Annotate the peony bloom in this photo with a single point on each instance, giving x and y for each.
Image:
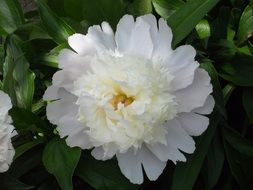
(129, 94)
(6, 132)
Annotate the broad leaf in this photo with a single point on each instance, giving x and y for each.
(8, 182)
(57, 28)
(18, 78)
(187, 17)
(166, 8)
(238, 70)
(11, 16)
(26, 120)
(102, 175)
(97, 11)
(61, 161)
(239, 153)
(245, 29)
(247, 100)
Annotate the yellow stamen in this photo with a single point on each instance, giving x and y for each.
(121, 98)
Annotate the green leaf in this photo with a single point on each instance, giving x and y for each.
(25, 147)
(247, 100)
(11, 16)
(203, 29)
(26, 120)
(239, 153)
(141, 7)
(57, 28)
(61, 161)
(187, 17)
(26, 162)
(7, 182)
(102, 175)
(18, 78)
(166, 8)
(245, 29)
(214, 162)
(51, 59)
(97, 11)
(238, 70)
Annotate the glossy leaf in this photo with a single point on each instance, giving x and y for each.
(57, 28)
(238, 70)
(245, 29)
(239, 153)
(11, 16)
(247, 100)
(102, 175)
(26, 120)
(61, 161)
(166, 8)
(187, 16)
(18, 78)
(7, 182)
(97, 11)
(214, 162)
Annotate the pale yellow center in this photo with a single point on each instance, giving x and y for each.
(121, 98)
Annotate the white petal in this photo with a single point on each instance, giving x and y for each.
(51, 93)
(99, 154)
(81, 44)
(152, 22)
(194, 124)
(166, 152)
(151, 164)
(60, 109)
(71, 60)
(162, 41)
(130, 166)
(139, 40)
(124, 30)
(182, 66)
(207, 108)
(178, 137)
(102, 39)
(5, 103)
(194, 95)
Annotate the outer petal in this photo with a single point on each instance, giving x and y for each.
(166, 152)
(5, 103)
(71, 60)
(102, 38)
(136, 39)
(82, 44)
(152, 165)
(178, 138)
(130, 166)
(60, 109)
(100, 154)
(75, 132)
(194, 95)
(207, 108)
(182, 66)
(193, 123)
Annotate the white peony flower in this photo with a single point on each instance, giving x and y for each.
(129, 94)
(6, 132)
